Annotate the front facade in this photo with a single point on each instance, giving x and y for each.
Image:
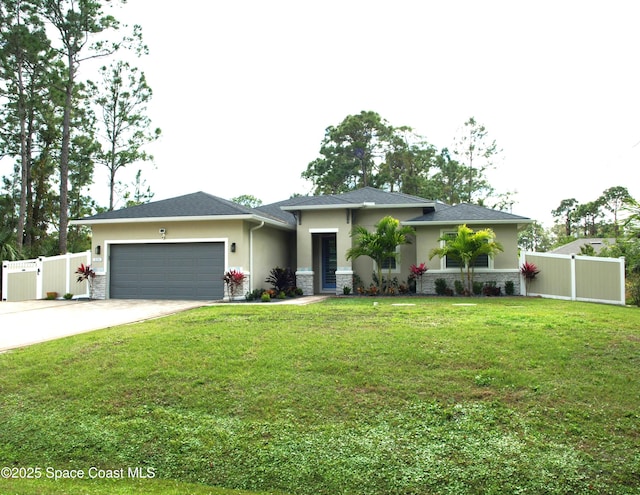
(180, 248)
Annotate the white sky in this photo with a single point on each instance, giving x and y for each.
(243, 90)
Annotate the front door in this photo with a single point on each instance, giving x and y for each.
(329, 262)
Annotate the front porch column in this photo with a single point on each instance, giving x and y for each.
(344, 278)
(304, 280)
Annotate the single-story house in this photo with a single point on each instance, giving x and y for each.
(179, 248)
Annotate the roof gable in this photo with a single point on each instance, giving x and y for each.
(197, 204)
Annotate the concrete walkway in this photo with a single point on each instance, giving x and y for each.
(30, 322)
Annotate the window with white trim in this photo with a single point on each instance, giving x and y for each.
(482, 261)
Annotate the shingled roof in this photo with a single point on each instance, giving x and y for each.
(366, 196)
(189, 206)
(202, 205)
(465, 213)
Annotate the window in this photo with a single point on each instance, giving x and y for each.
(391, 263)
(482, 261)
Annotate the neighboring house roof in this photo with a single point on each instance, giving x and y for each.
(193, 206)
(366, 197)
(444, 214)
(598, 244)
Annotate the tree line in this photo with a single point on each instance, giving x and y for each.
(614, 214)
(366, 150)
(56, 126)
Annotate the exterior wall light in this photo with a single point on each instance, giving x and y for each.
(233, 247)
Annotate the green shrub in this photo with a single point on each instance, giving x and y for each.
(459, 287)
(254, 295)
(633, 288)
(509, 288)
(265, 297)
(477, 288)
(346, 290)
(68, 296)
(441, 286)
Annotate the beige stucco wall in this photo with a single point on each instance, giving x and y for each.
(507, 235)
(272, 246)
(228, 231)
(330, 221)
(341, 222)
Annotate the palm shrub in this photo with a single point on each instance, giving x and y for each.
(528, 271)
(233, 279)
(381, 244)
(465, 248)
(281, 279)
(85, 272)
(417, 272)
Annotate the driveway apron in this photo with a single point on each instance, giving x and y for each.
(31, 322)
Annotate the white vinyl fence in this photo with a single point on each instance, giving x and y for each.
(33, 279)
(570, 277)
(577, 278)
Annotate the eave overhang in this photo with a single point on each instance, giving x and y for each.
(356, 206)
(203, 218)
(417, 223)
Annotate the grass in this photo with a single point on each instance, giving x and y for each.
(512, 395)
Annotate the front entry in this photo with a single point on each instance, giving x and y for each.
(329, 262)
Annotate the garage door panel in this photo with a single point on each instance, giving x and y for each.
(167, 271)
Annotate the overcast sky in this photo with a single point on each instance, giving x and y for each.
(243, 90)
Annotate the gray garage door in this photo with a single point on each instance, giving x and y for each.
(167, 271)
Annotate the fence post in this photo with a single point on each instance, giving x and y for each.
(67, 269)
(39, 278)
(523, 287)
(574, 287)
(5, 280)
(623, 287)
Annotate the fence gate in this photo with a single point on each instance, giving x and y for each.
(31, 279)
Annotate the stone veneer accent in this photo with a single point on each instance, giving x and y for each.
(100, 286)
(304, 281)
(344, 278)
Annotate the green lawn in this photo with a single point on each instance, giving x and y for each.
(508, 395)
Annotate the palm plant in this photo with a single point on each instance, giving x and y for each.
(465, 248)
(381, 244)
(529, 272)
(8, 251)
(233, 279)
(85, 272)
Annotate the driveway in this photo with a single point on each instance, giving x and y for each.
(29, 322)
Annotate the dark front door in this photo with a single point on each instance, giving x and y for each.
(329, 262)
